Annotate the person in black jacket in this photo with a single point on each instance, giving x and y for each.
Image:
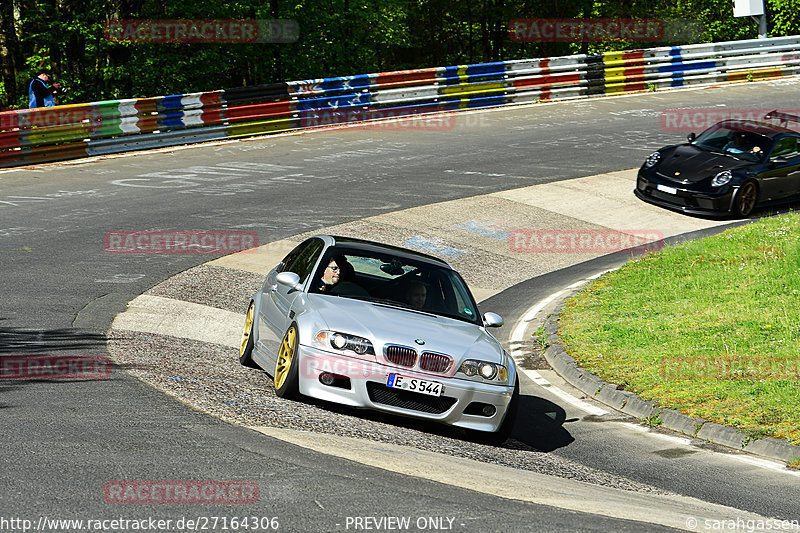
(39, 93)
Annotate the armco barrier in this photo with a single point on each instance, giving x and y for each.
(65, 132)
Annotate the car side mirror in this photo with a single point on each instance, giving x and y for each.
(289, 279)
(691, 137)
(492, 320)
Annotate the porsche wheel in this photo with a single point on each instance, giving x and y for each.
(246, 348)
(746, 199)
(286, 383)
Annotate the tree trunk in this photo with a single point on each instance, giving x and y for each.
(498, 26)
(277, 67)
(9, 55)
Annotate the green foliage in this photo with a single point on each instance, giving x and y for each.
(337, 37)
(784, 16)
(540, 337)
(654, 420)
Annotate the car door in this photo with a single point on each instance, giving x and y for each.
(784, 168)
(277, 300)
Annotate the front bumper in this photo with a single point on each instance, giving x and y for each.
(685, 199)
(365, 387)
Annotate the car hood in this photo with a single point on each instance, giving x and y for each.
(384, 324)
(688, 164)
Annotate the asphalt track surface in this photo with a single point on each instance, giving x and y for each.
(63, 441)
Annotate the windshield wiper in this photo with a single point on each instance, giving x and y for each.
(394, 304)
(711, 150)
(730, 154)
(382, 301)
(362, 298)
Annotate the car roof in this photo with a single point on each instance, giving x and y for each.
(377, 247)
(753, 126)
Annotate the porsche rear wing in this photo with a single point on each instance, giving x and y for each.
(785, 118)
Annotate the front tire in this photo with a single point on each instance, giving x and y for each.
(745, 200)
(286, 381)
(246, 348)
(506, 427)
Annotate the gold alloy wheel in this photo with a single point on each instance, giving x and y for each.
(248, 328)
(747, 199)
(285, 357)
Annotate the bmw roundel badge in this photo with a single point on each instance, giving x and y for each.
(419, 341)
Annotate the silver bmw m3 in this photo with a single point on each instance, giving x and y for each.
(380, 327)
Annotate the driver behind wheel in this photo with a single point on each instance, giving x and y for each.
(740, 145)
(331, 275)
(339, 278)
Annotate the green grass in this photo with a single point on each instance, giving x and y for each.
(710, 327)
(540, 337)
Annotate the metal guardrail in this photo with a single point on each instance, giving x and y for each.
(65, 132)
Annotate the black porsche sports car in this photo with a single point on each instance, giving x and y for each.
(731, 168)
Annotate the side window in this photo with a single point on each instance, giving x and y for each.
(302, 259)
(786, 147)
(292, 257)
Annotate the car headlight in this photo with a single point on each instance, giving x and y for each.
(652, 159)
(484, 369)
(344, 342)
(722, 178)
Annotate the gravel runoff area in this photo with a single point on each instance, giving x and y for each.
(223, 288)
(208, 377)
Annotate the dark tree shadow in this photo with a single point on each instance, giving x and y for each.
(19, 341)
(18, 346)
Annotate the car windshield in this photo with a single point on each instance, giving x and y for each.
(735, 142)
(385, 278)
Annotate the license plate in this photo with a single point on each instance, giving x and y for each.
(423, 386)
(664, 188)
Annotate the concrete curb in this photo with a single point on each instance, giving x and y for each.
(630, 404)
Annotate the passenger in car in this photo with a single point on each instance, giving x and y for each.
(415, 293)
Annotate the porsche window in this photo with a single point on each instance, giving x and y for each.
(786, 147)
(738, 143)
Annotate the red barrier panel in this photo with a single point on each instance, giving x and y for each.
(405, 77)
(257, 111)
